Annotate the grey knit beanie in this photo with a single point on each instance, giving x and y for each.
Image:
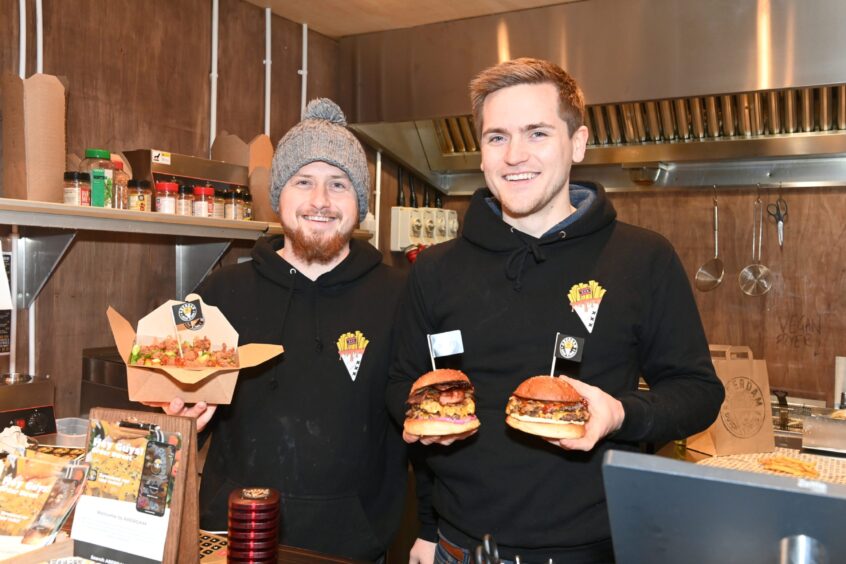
(322, 135)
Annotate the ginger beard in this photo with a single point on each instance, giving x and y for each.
(316, 248)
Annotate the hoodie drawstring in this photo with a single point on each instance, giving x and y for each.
(516, 262)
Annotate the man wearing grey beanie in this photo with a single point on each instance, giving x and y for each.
(311, 423)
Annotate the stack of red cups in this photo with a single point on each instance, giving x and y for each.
(253, 525)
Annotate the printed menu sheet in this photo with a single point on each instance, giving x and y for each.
(123, 513)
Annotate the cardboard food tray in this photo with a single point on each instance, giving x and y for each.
(162, 384)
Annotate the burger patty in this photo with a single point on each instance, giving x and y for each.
(554, 410)
(431, 408)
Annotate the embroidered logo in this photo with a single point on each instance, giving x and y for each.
(351, 350)
(584, 300)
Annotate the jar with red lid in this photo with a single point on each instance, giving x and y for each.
(166, 197)
(203, 201)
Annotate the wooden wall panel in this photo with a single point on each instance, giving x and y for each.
(240, 93)
(137, 72)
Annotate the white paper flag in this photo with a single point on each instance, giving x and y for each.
(446, 344)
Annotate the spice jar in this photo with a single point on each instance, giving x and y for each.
(203, 201)
(185, 201)
(248, 206)
(97, 163)
(166, 197)
(121, 185)
(234, 205)
(139, 196)
(77, 188)
(219, 203)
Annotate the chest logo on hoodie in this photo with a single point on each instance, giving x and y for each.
(584, 300)
(351, 350)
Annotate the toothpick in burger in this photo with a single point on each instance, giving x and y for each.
(549, 407)
(441, 403)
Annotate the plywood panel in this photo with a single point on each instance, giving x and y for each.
(241, 82)
(799, 325)
(138, 72)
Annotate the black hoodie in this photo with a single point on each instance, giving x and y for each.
(508, 293)
(301, 423)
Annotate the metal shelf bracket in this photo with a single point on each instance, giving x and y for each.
(38, 252)
(194, 260)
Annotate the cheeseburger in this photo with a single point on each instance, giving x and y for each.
(441, 403)
(549, 407)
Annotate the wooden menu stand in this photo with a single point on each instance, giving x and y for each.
(183, 528)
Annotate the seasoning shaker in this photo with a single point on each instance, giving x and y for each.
(77, 188)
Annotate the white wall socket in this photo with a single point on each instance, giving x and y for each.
(421, 226)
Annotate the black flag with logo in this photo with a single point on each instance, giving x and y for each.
(569, 348)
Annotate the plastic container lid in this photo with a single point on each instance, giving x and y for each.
(203, 191)
(247, 197)
(186, 189)
(118, 165)
(219, 193)
(97, 154)
(76, 175)
(167, 186)
(143, 184)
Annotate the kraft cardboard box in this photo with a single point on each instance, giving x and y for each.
(257, 156)
(34, 138)
(162, 384)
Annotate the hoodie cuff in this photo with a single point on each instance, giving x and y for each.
(637, 420)
(428, 532)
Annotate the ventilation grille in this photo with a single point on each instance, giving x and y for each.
(698, 118)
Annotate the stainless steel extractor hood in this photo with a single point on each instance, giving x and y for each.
(732, 92)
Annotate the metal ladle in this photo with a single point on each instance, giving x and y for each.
(710, 275)
(756, 279)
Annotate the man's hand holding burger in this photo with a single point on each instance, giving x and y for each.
(606, 416)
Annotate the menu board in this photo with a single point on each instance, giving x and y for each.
(123, 513)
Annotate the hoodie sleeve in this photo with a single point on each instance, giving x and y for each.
(684, 394)
(411, 359)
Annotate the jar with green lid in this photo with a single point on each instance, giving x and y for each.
(234, 205)
(139, 195)
(219, 203)
(98, 164)
(77, 188)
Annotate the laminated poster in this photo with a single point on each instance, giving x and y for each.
(123, 513)
(37, 493)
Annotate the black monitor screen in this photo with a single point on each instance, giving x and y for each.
(665, 511)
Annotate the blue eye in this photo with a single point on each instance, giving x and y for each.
(539, 134)
(494, 139)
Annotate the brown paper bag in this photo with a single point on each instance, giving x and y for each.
(745, 422)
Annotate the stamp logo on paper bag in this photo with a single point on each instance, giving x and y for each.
(351, 350)
(744, 411)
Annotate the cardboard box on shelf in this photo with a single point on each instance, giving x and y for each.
(34, 138)
(161, 384)
(257, 156)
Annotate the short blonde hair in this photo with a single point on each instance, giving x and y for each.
(571, 101)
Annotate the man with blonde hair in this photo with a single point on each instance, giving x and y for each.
(541, 256)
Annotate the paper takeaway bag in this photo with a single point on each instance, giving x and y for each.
(745, 423)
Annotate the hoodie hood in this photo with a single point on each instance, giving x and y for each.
(362, 259)
(485, 228)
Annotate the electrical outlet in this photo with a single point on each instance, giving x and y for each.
(421, 226)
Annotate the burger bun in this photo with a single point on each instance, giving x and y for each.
(557, 430)
(428, 427)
